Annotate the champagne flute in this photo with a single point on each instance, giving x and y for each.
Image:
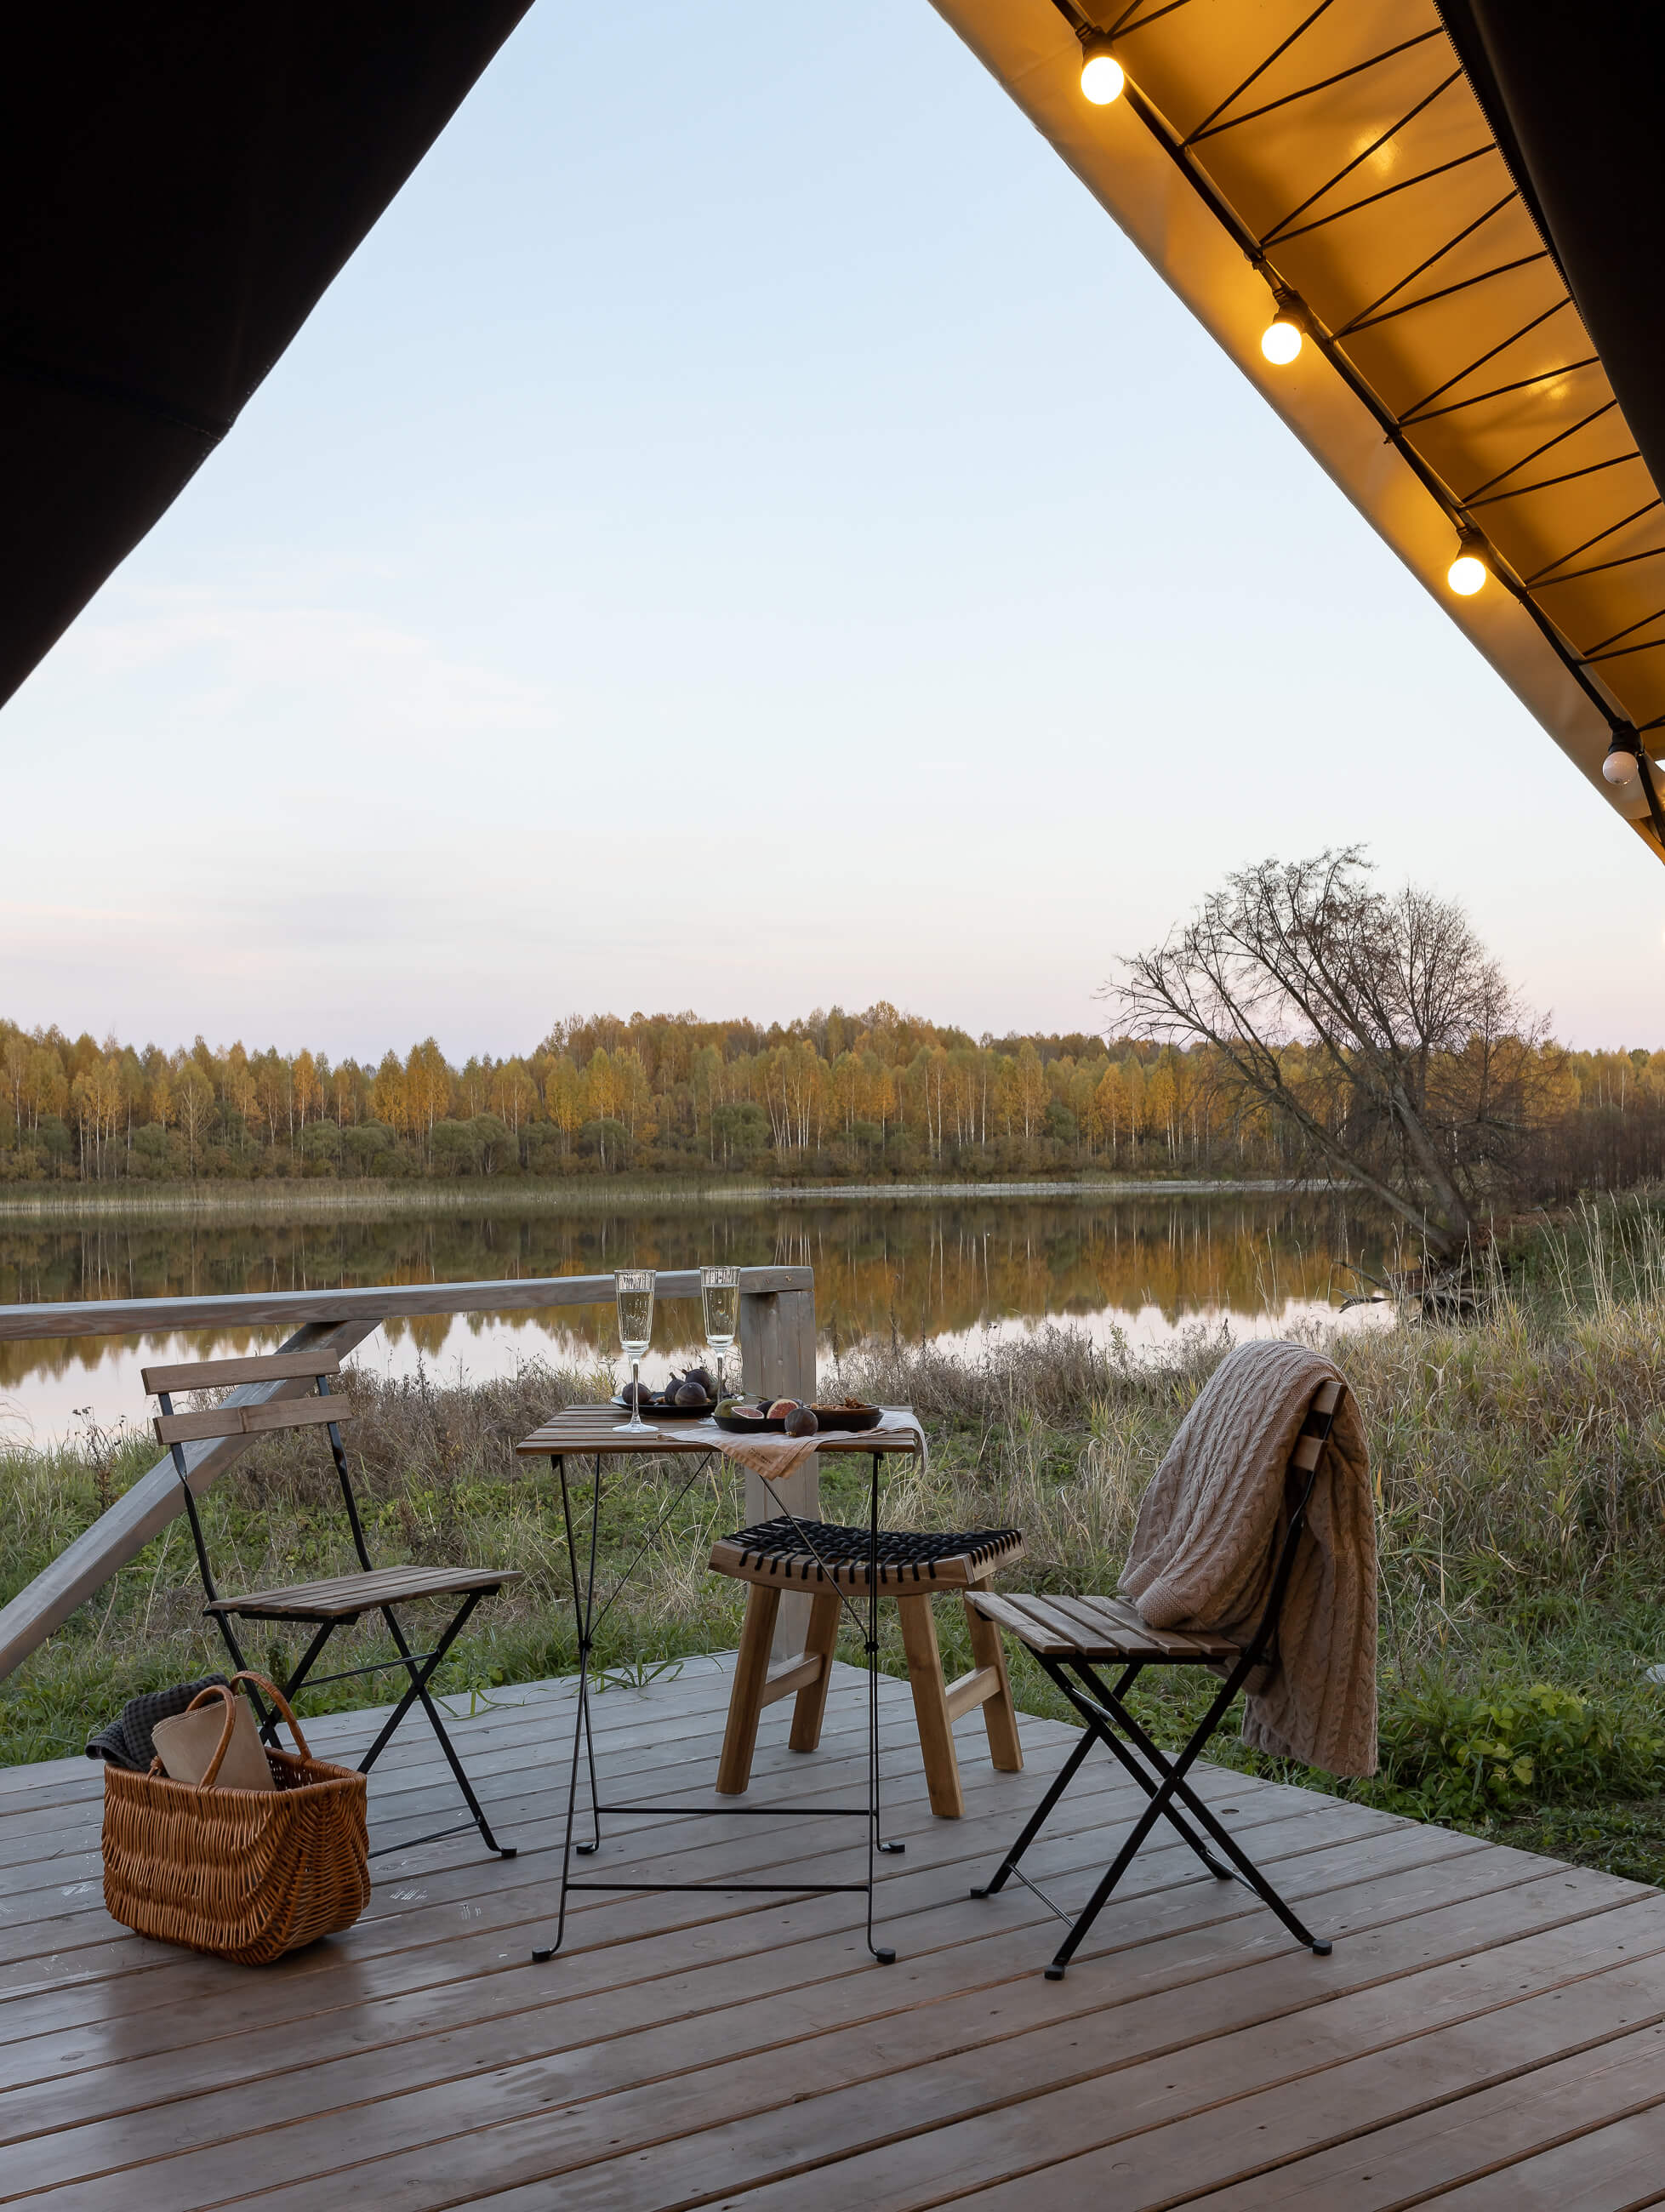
(719, 1296)
(633, 1289)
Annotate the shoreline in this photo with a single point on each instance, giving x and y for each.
(245, 1201)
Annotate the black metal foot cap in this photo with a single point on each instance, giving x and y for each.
(508, 1852)
(584, 1850)
(980, 1892)
(896, 1850)
(884, 1958)
(539, 1957)
(1054, 1973)
(1322, 1950)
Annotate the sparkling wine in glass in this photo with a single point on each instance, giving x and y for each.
(633, 1287)
(720, 1294)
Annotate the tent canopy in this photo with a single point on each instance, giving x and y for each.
(1451, 385)
(181, 186)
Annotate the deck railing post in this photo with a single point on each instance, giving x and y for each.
(777, 1360)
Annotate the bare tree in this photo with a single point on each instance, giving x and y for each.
(1376, 1029)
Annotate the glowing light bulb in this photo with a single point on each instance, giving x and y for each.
(1102, 76)
(1466, 575)
(1280, 341)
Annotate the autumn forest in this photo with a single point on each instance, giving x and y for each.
(878, 1096)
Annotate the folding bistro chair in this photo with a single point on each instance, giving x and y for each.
(1072, 1638)
(338, 1602)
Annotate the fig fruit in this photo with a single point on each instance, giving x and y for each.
(704, 1377)
(782, 1408)
(801, 1422)
(690, 1392)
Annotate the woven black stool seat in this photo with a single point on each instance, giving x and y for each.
(778, 1551)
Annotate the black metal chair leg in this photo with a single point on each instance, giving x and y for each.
(297, 1681)
(503, 1850)
(1038, 1820)
(1104, 1719)
(1242, 1868)
(419, 1693)
(266, 1722)
(1101, 1897)
(1159, 1807)
(1174, 1784)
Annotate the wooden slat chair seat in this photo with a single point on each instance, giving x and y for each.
(833, 1562)
(1102, 1628)
(343, 1598)
(336, 1601)
(1072, 1638)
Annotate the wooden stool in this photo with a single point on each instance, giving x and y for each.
(913, 1568)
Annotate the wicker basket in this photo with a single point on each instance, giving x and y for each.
(246, 1873)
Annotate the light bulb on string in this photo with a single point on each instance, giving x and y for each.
(1280, 341)
(1102, 76)
(1468, 572)
(1621, 765)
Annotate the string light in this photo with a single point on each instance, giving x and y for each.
(1102, 76)
(1468, 571)
(1280, 341)
(1621, 765)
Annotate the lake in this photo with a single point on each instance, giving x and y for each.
(958, 1269)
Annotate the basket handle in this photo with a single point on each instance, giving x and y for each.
(228, 1694)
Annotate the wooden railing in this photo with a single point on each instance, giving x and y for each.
(777, 1350)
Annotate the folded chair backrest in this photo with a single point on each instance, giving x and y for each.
(322, 1411)
(1302, 1474)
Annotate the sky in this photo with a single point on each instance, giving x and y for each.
(746, 533)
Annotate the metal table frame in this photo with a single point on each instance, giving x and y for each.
(548, 1441)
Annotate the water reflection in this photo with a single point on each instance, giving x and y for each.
(911, 1267)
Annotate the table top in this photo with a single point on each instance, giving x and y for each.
(578, 1429)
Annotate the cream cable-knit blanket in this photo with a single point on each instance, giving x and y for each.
(1205, 1549)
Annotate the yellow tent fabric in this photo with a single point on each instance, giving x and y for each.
(1448, 384)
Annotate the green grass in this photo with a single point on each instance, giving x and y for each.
(1519, 1462)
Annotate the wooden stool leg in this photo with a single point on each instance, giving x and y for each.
(936, 1731)
(999, 1714)
(810, 1707)
(745, 1701)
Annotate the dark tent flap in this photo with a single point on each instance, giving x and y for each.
(184, 185)
(1572, 97)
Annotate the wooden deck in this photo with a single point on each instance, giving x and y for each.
(1490, 2031)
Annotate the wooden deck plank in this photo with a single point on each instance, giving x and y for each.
(183, 1978)
(414, 1789)
(1177, 2058)
(1487, 2020)
(987, 1950)
(40, 1919)
(1520, 2053)
(416, 1801)
(522, 1896)
(426, 1911)
(1617, 2167)
(668, 2086)
(1198, 1896)
(519, 1716)
(916, 1915)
